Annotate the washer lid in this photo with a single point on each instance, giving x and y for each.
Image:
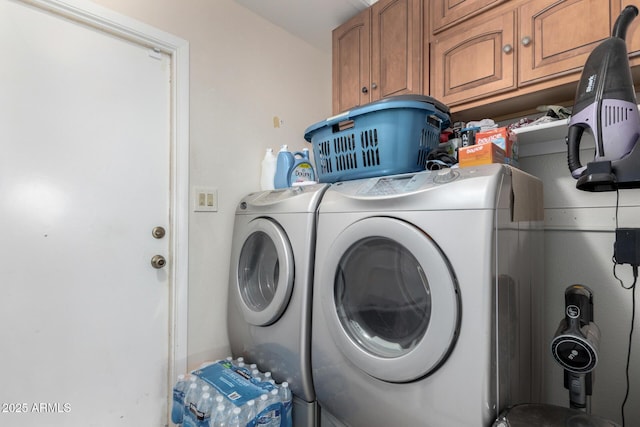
(265, 272)
(393, 306)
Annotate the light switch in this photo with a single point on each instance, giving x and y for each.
(205, 199)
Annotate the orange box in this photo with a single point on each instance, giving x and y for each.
(480, 154)
(503, 138)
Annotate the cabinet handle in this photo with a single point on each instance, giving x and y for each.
(526, 41)
(374, 86)
(507, 48)
(364, 89)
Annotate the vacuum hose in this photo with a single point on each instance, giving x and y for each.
(622, 23)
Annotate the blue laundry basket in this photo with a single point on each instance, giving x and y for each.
(386, 137)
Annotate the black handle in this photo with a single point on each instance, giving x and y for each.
(622, 23)
(573, 147)
(578, 302)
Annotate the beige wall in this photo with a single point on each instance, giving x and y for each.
(244, 71)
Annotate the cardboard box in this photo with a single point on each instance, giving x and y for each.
(480, 154)
(503, 138)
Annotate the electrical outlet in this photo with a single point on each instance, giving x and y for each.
(205, 199)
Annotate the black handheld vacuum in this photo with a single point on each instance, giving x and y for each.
(605, 106)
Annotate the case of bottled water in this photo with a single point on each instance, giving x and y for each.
(230, 393)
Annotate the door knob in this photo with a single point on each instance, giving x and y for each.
(158, 261)
(158, 232)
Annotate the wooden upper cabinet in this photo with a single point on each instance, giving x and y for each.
(474, 60)
(351, 62)
(447, 12)
(396, 48)
(378, 53)
(522, 47)
(557, 37)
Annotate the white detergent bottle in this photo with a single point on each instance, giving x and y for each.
(302, 170)
(283, 166)
(268, 172)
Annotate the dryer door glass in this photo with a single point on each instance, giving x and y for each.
(259, 270)
(386, 306)
(264, 272)
(394, 307)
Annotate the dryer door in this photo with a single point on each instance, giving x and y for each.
(394, 308)
(264, 272)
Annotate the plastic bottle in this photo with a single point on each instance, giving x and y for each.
(268, 172)
(204, 406)
(283, 166)
(235, 419)
(263, 402)
(177, 409)
(301, 171)
(287, 403)
(191, 397)
(274, 398)
(219, 416)
(248, 412)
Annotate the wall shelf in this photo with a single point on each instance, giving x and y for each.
(547, 138)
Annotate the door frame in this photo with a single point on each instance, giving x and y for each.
(152, 38)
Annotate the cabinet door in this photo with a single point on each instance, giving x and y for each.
(351, 62)
(447, 12)
(556, 37)
(473, 60)
(396, 34)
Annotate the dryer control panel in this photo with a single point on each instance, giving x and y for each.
(408, 183)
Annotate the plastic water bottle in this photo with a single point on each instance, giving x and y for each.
(219, 416)
(248, 412)
(287, 402)
(268, 172)
(277, 415)
(284, 162)
(177, 409)
(263, 402)
(192, 394)
(235, 419)
(204, 406)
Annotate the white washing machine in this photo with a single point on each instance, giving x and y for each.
(427, 289)
(271, 271)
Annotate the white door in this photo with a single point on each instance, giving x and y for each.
(84, 178)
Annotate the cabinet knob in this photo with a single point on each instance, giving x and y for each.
(526, 41)
(374, 86)
(364, 89)
(507, 48)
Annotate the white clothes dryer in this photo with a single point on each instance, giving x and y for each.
(271, 271)
(423, 291)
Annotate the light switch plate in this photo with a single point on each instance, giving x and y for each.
(205, 199)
